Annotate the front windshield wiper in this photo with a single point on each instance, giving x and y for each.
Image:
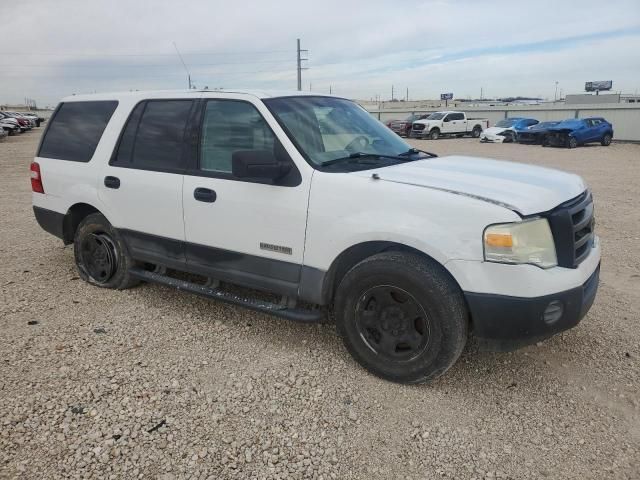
(413, 151)
(401, 157)
(357, 155)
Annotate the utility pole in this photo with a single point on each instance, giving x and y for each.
(480, 93)
(407, 97)
(330, 92)
(300, 68)
(392, 93)
(555, 96)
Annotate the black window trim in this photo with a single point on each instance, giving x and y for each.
(292, 179)
(52, 118)
(187, 128)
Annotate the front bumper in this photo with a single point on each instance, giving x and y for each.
(505, 323)
(486, 138)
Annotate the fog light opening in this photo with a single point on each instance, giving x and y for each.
(553, 312)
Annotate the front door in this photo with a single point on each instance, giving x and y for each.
(237, 230)
(454, 123)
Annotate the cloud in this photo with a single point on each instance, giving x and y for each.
(359, 48)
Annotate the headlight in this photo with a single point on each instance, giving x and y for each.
(529, 241)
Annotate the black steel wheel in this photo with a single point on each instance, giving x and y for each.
(401, 316)
(392, 323)
(100, 254)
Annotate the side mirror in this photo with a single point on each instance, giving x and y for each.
(258, 165)
(446, 119)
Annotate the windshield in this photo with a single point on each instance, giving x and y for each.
(571, 123)
(509, 122)
(328, 128)
(436, 116)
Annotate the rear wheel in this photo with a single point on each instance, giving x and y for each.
(402, 317)
(475, 133)
(100, 254)
(606, 140)
(571, 142)
(434, 134)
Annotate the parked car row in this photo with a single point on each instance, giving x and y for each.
(12, 123)
(566, 133)
(439, 124)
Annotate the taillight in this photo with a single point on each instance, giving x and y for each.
(36, 178)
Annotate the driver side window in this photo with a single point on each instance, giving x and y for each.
(230, 126)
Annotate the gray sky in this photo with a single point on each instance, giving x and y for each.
(360, 48)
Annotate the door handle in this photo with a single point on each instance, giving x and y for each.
(204, 195)
(112, 182)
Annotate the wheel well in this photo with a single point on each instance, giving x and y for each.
(72, 219)
(355, 254)
(435, 128)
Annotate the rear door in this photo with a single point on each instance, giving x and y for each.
(599, 128)
(238, 230)
(142, 183)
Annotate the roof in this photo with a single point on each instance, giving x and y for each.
(146, 94)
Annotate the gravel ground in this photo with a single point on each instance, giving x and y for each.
(153, 383)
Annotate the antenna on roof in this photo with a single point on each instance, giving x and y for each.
(183, 64)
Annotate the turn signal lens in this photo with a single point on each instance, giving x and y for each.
(499, 240)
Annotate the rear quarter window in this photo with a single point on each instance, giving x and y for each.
(75, 130)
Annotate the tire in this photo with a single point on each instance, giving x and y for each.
(434, 134)
(571, 142)
(101, 257)
(475, 133)
(606, 140)
(395, 296)
(509, 138)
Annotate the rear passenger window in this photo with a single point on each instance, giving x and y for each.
(153, 138)
(230, 126)
(75, 130)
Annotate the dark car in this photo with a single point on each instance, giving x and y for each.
(535, 134)
(579, 131)
(23, 122)
(403, 127)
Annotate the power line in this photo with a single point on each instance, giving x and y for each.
(41, 65)
(71, 54)
(63, 74)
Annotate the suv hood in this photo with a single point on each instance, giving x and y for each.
(525, 189)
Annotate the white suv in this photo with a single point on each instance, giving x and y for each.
(309, 198)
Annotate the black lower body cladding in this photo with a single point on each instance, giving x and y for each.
(506, 323)
(50, 221)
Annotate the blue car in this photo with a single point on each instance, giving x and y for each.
(536, 133)
(578, 131)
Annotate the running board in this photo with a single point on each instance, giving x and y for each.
(295, 314)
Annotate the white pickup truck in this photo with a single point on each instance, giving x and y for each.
(448, 123)
(309, 198)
